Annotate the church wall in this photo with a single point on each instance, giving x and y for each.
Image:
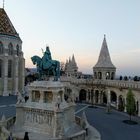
(11, 83)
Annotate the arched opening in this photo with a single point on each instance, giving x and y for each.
(95, 75)
(99, 75)
(104, 98)
(108, 75)
(9, 68)
(82, 95)
(113, 98)
(137, 107)
(17, 50)
(96, 96)
(121, 103)
(1, 48)
(112, 75)
(10, 49)
(89, 95)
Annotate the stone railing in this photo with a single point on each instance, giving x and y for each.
(112, 83)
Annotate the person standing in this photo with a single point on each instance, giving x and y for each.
(10, 137)
(26, 136)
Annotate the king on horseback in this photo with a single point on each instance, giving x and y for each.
(46, 65)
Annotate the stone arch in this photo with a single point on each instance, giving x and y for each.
(10, 49)
(137, 107)
(1, 48)
(107, 75)
(104, 98)
(121, 104)
(67, 94)
(82, 95)
(10, 64)
(96, 96)
(113, 98)
(95, 75)
(112, 75)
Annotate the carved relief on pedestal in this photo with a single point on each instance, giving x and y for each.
(38, 117)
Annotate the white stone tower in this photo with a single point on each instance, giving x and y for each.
(104, 68)
(12, 63)
(71, 68)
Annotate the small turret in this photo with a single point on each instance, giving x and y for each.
(104, 68)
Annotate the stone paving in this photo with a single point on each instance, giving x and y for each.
(110, 125)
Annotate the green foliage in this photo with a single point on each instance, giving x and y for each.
(130, 103)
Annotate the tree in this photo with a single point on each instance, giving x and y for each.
(130, 103)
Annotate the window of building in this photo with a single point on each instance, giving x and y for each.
(10, 49)
(17, 50)
(1, 48)
(0, 68)
(9, 68)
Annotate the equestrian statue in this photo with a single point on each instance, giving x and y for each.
(46, 66)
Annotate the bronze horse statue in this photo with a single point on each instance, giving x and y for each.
(46, 66)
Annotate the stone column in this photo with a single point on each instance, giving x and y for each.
(41, 97)
(86, 96)
(125, 104)
(108, 101)
(99, 97)
(16, 75)
(5, 82)
(117, 103)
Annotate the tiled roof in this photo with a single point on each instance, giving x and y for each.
(6, 27)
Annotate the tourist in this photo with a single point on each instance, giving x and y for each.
(10, 137)
(26, 136)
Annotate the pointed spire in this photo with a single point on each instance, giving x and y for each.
(104, 59)
(73, 58)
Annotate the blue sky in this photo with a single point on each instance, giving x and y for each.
(77, 27)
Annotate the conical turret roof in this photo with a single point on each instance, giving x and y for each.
(6, 27)
(104, 59)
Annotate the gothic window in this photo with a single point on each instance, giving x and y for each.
(99, 75)
(1, 48)
(0, 68)
(9, 68)
(17, 50)
(108, 75)
(10, 49)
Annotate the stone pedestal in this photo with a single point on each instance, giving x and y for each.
(46, 113)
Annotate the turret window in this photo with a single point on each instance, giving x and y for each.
(1, 48)
(10, 49)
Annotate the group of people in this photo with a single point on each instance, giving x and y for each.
(25, 136)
